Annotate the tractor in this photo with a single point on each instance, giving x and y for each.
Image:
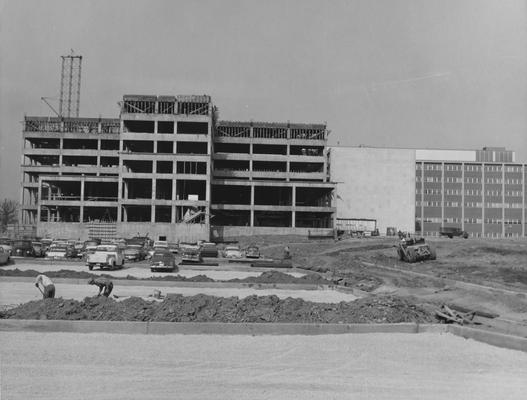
(412, 250)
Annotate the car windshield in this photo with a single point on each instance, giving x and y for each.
(58, 248)
(158, 256)
(106, 248)
(232, 249)
(35, 244)
(21, 243)
(133, 247)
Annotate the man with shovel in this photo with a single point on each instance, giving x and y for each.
(48, 291)
(105, 285)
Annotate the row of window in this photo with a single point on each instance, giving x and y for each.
(491, 221)
(468, 167)
(468, 204)
(470, 192)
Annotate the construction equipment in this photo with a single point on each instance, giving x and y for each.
(412, 250)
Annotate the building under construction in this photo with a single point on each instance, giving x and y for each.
(168, 169)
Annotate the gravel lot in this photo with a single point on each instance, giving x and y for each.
(374, 366)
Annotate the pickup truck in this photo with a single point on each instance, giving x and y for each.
(105, 256)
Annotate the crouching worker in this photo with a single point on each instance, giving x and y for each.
(105, 285)
(48, 288)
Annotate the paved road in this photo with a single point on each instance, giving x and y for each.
(51, 366)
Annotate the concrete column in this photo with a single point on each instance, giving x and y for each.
(61, 148)
(120, 194)
(293, 214)
(173, 216)
(39, 195)
(252, 205)
(81, 215)
(153, 205)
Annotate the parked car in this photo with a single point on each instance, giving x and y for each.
(4, 256)
(46, 242)
(61, 250)
(161, 243)
(106, 256)
(163, 260)
(134, 252)
(209, 249)
(5, 243)
(451, 232)
(173, 248)
(252, 251)
(38, 249)
(190, 253)
(232, 252)
(22, 248)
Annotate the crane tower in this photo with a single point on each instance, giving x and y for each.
(70, 85)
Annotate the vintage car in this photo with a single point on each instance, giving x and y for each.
(61, 250)
(252, 251)
(209, 249)
(5, 243)
(163, 260)
(106, 256)
(22, 248)
(134, 252)
(4, 256)
(232, 252)
(38, 249)
(190, 253)
(173, 248)
(89, 247)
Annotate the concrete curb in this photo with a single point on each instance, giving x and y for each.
(492, 338)
(209, 328)
(151, 283)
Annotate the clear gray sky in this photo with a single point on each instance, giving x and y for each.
(405, 73)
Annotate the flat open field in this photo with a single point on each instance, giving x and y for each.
(51, 366)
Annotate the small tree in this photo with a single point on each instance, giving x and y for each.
(8, 213)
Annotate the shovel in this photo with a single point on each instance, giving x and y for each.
(41, 291)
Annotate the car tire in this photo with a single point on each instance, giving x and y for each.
(90, 267)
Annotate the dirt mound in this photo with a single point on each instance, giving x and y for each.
(203, 308)
(280, 277)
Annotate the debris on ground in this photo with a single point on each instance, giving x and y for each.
(449, 316)
(204, 308)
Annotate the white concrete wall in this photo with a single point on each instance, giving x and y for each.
(375, 183)
(173, 232)
(445, 155)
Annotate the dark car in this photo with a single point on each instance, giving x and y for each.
(38, 249)
(134, 252)
(163, 260)
(451, 232)
(252, 251)
(23, 248)
(209, 249)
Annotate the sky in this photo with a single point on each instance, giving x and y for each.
(407, 73)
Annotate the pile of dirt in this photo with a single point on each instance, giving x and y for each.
(265, 277)
(280, 277)
(203, 308)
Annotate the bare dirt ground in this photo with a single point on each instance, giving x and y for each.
(426, 366)
(489, 276)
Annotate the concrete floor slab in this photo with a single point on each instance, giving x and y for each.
(22, 292)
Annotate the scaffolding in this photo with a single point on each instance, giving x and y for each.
(70, 86)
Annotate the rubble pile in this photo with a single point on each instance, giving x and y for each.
(204, 308)
(280, 277)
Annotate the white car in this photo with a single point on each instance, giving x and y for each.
(106, 256)
(232, 252)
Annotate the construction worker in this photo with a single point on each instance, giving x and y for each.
(48, 288)
(287, 253)
(105, 285)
